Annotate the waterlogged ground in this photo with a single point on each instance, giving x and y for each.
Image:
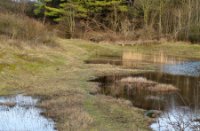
(181, 108)
(19, 113)
(60, 77)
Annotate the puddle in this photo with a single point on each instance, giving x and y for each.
(187, 94)
(159, 62)
(128, 57)
(155, 91)
(136, 89)
(190, 68)
(159, 58)
(19, 113)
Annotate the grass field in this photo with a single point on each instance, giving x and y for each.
(60, 77)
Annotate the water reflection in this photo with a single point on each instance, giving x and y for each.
(160, 61)
(191, 68)
(161, 58)
(20, 114)
(187, 96)
(181, 73)
(135, 59)
(182, 109)
(177, 119)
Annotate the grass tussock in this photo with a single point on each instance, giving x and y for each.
(135, 79)
(144, 84)
(21, 27)
(163, 88)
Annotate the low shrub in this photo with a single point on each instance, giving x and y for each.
(21, 27)
(194, 35)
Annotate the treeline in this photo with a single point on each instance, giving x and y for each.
(132, 19)
(116, 19)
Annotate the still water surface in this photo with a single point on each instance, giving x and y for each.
(19, 113)
(181, 108)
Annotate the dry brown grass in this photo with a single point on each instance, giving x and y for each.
(67, 107)
(163, 88)
(135, 79)
(21, 27)
(144, 84)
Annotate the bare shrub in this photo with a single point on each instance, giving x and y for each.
(24, 28)
(102, 36)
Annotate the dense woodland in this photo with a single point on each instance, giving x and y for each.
(117, 19)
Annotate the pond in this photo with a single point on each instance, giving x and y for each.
(173, 88)
(19, 113)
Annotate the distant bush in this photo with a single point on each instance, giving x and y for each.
(7, 5)
(10, 6)
(24, 28)
(194, 35)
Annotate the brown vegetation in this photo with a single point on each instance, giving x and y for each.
(126, 20)
(22, 28)
(162, 88)
(141, 83)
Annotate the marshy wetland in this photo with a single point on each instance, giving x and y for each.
(99, 65)
(59, 77)
(169, 92)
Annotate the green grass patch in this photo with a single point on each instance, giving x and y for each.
(7, 66)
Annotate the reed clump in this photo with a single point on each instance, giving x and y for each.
(141, 83)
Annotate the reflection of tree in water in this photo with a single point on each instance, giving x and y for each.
(178, 119)
(182, 108)
(196, 97)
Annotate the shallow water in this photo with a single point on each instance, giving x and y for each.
(177, 119)
(23, 115)
(182, 105)
(189, 68)
(181, 109)
(188, 94)
(160, 62)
